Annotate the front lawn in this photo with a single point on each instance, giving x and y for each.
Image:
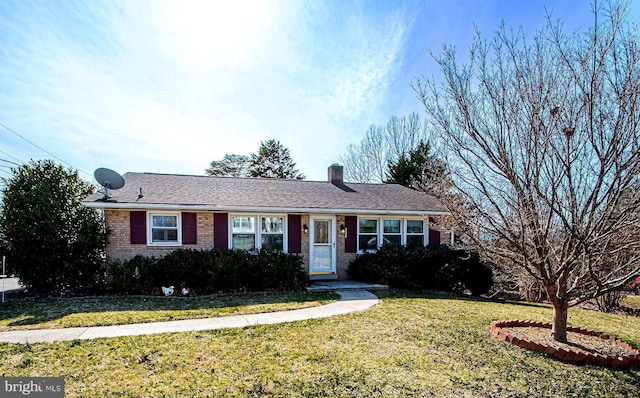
(407, 345)
(117, 310)
(632, 301)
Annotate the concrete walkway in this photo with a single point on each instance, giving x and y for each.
(350, 301)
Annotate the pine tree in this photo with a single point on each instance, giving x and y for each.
(417, 169)
(273, 161)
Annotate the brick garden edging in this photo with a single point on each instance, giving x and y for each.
(566, 355)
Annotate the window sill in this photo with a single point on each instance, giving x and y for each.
(164, 244)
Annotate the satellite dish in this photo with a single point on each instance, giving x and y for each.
(109, 179)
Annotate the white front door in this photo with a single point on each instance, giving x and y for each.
(323, 246)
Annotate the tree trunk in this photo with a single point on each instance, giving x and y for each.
(559, 328)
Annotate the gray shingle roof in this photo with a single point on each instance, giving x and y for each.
(251, 194)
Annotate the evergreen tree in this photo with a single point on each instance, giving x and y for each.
(53, 243)
(417, 169)
(273, 161)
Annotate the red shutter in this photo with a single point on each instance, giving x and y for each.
(434, 237)
(189, 229)
(221, 230)
(294, 238)
(351, 242)
(138, 227)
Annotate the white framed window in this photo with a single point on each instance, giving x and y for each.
(392, 232)
(164, 229)
(272, 233)
(415, 232)
(243, 232)
(367, 234)
(374, 231)
(254, 232)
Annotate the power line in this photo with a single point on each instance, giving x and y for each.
(12, 157)
(35, 145)
(44, 150)
(8, 161)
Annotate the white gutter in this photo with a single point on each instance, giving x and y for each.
(246, 209)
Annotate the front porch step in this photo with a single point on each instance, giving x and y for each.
(332, 286)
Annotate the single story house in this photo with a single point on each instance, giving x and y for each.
(328, 223)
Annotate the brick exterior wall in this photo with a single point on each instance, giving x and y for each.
(205, 231)
(120, 247)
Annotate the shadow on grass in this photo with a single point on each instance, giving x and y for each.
(34, 311)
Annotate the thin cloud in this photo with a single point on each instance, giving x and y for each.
(169, 86)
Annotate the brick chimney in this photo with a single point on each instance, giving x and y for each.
(336, 174)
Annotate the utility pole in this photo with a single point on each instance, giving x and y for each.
(3, 276)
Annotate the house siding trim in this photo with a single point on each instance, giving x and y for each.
(259, 210)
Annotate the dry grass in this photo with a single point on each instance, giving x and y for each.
(632, 301)
(405, 346)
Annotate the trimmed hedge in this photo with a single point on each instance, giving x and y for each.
(208, 271)
(431, 267)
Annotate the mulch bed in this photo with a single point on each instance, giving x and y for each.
(583, 346)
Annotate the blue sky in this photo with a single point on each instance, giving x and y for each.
(169, 86)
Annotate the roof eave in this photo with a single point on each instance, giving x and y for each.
(258, 209)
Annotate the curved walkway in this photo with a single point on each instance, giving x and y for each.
(350, 301)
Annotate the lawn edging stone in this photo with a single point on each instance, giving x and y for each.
(623, 362)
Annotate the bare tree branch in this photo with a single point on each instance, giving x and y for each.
(367, 161)
(543, 145)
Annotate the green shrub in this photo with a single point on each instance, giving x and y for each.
(185, 267)
(136, 276)
(53, 243)
(473, 273)
(430, 267)
(208, 271)
(276, 270)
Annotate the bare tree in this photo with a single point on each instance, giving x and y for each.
(231, 165)
(357, 167)
(368, 161)
(543, 142)
(364, 162)
(404, 134)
